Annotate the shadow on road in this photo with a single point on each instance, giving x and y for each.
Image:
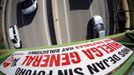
(80, 4)
(89, 30)
(23, 20)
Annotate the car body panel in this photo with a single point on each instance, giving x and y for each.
(97, 19)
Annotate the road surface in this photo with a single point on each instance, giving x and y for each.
(70, 25)
(71, 22)
(36, 33)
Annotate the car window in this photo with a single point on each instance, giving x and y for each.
(14, 32)
(15, 37)
(100, 26)
(14, 41)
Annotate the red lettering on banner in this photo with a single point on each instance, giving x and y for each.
(99, 51)
(37, 61)
(45, 61)
(75, 57)
(117, 45)
(29, 59)
(88, 53)
(55, 59)
(114, 45)
(89, 44)
(65, 59)
(52, 60)
(106, 48)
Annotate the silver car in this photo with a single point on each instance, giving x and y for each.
(96, 28)
(14, 36)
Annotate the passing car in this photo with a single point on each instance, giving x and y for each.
(96, 28)
(14, 36)
(28, 6)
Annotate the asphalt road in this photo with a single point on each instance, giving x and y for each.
(34, 31)
(72, 26)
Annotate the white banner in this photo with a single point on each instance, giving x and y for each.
(92, 58)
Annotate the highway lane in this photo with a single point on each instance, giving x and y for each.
(70, 25)
(35, 34)
(10, 19)
(72, 22)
